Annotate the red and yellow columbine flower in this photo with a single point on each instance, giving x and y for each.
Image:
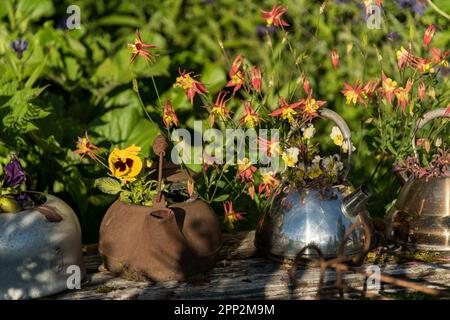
(388, 87)
(422, 91)
(230, 217)
(190, 85)
(268, 183)
(250, 118)
(428, 35)
(310, 106)
(272, 148)
(402, 95)
(138, 48)
(439, 58)
(85, 147)
(425, 65)
(334, 58)
(286, 111)
(125, 164)
(256, 79)
(370, 87)
(169, 116)
(246, 170)
(405, 58)
(219, 109)
(236, 74)
(274, 16)
(354, 93)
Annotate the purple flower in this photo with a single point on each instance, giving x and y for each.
(263, 30)
(418, 6)
(393, 36)
(14, 173)
(19, 47)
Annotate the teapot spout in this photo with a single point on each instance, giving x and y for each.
(354, 203)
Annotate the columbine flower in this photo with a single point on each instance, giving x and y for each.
(274, 16)
(354, 93)
(425, 65)
(370, 87)
(19, 47)
(290, 156)
(334, 58)
(219, 109)
(125, 164)
(230, 217)
(422, 91)
(85, 147)
(256, 79)
(190, 85)
(268, 184)
(236, 74)
(271, 148)
(138, 48)
(310, 107)
(286, 111)
(439, 58)
(428, 35)
(169, 116)
(14, 173)
(402, 95)
(405, 58)
(388, 87)
(308, 131)
(246, 169)
(250, 118)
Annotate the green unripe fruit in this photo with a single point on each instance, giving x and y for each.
(9, 205)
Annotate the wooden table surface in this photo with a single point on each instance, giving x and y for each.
(243, 273)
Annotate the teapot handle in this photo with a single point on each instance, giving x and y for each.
(427, 117)
(345, 130)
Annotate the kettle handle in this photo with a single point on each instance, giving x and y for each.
(345, 130)
(427, 117)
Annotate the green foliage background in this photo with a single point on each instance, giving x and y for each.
(72, 80)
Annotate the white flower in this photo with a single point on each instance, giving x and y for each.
(336, 136)
(290, 156)
(438, 142)
(345, 147)
(309, 131)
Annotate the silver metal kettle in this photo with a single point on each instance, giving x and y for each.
(296, 218)
(420, 218)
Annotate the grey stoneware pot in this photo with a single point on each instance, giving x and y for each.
(40, 250)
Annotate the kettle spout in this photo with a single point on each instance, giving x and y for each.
(354, 203)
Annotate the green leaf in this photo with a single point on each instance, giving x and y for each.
(221, 198)
(126, 126)
(120, 20)
(108, 185)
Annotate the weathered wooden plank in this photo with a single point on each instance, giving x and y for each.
(243, 274)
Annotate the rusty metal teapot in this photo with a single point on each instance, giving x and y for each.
(420, 218)
(329, 219)
(160, 242)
